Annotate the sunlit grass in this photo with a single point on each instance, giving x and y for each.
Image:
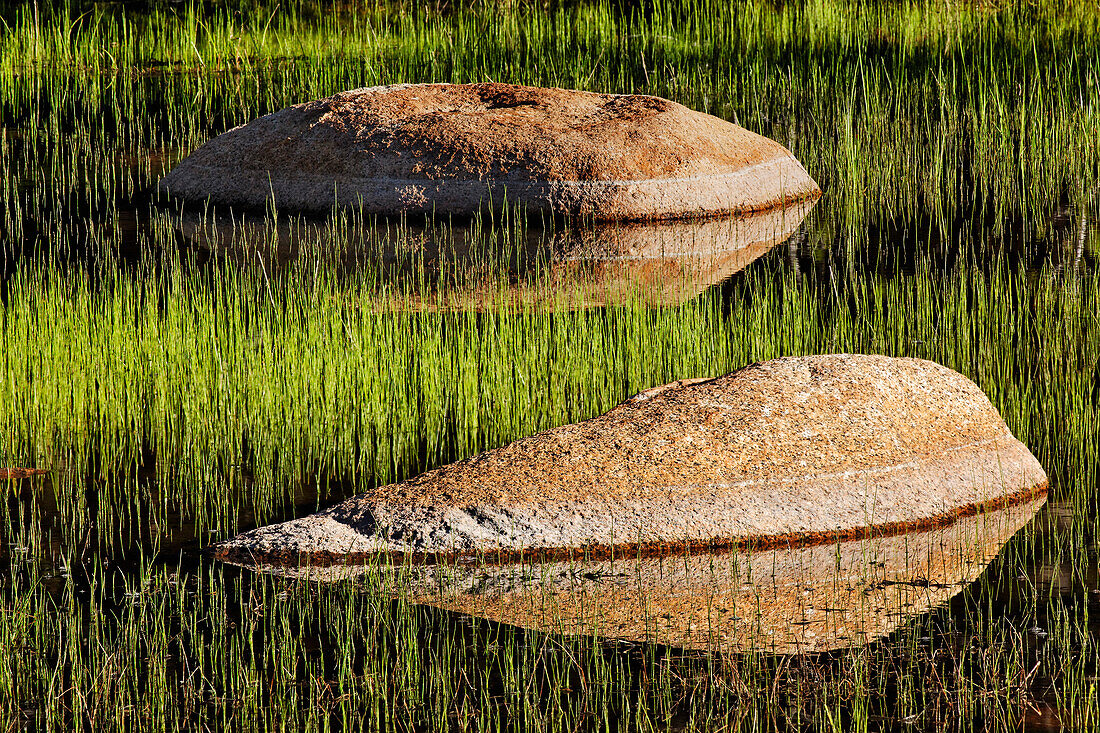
(180, 396)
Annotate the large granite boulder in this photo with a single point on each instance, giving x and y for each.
(793, 451)
(461, 148)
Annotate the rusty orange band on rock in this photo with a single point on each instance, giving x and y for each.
(626, 550)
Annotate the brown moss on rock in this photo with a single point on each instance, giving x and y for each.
(17, 473)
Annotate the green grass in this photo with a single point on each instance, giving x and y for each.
(303, 374)
(180, 397)
(890, 107)
(317, 395)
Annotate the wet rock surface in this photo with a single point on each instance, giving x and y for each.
(462, 148)
(794, 451)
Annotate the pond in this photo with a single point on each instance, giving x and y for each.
(185, 373)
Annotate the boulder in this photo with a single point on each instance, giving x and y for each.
(794, 451)
(461, 148)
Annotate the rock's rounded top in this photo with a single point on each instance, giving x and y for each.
(786, 419)
(516, 133)
(457, 148)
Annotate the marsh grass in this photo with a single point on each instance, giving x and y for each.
(180, 393)
(210, 398)
(174, 646)
(892, 109)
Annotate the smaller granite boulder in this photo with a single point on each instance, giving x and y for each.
(457, 149)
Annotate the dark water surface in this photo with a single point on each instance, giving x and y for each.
(106, 591)
(1028, 587)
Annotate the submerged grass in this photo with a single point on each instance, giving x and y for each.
(180, 395)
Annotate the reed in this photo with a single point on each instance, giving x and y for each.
(181, 388)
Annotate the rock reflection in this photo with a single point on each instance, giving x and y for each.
(800, 600)
(468, 267)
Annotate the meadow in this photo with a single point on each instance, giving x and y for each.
(178, 391)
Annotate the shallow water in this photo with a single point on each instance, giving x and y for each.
(813, 600)
(95, 555)
(103, 567)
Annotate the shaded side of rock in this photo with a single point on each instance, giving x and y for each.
(783, 601)
(454, 267)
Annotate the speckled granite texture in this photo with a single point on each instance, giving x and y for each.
(460, 148)
(792, 451)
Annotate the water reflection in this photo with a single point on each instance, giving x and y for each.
(800, 600)
(464, 266)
